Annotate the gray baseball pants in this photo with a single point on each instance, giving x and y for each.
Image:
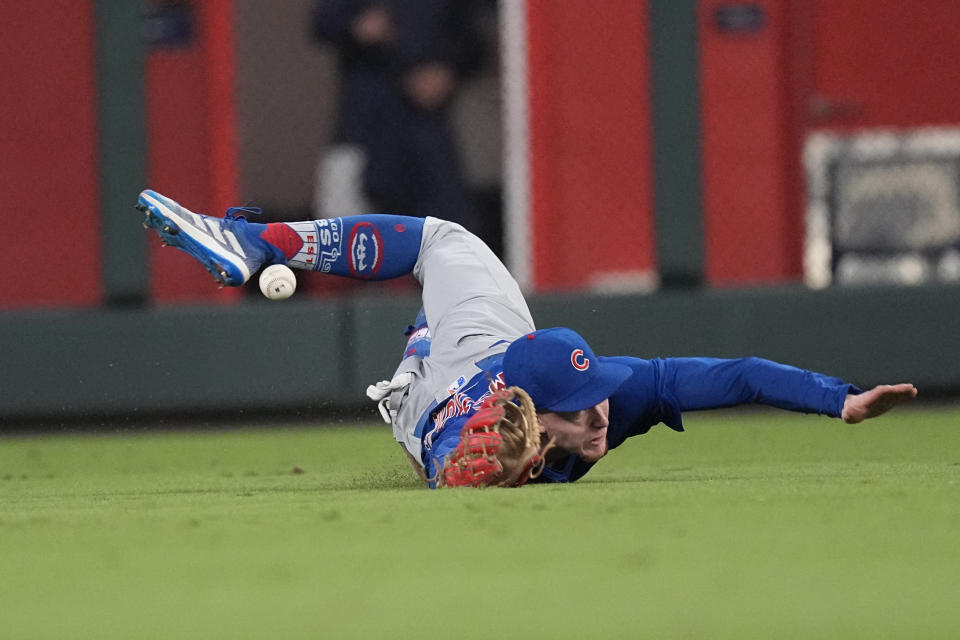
(471, 302)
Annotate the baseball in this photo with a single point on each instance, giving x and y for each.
(277, 282)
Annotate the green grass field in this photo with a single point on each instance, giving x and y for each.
(750, 525)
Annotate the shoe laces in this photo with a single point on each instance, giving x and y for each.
(233, 211)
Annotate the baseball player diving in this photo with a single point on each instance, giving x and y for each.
(481, 397)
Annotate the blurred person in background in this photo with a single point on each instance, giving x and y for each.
(401, 63)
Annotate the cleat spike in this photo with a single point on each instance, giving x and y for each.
(169, 229)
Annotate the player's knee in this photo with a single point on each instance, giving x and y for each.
(442, 227)
(438, 232)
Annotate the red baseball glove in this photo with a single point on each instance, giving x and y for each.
(500, 444)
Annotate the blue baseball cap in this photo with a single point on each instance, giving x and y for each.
(560, 371)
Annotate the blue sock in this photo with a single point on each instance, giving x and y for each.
(370, 247)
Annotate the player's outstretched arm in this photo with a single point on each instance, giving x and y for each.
(876, 401)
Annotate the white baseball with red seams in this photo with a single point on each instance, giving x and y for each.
(277, 282)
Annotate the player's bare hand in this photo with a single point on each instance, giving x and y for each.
(876, 401)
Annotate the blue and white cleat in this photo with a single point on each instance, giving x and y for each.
(227, 247)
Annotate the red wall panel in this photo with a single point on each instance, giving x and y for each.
(49, 190)
(590, 143)
(748, 152)
(886, 63)
(191, 141)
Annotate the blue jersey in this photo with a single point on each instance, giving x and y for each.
(658, 391)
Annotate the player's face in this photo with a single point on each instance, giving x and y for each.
(581, 432)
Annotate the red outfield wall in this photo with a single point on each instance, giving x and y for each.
(49, 157)
(765, 83)
(750, 155)
(590, 149)
(192, 142)
(812, 65)
(49, 153)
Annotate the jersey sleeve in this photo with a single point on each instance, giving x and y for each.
(640, 402)
(690, 384)
(660, 390)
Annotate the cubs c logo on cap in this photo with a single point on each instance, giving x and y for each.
(536, 362)
(579, 362)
